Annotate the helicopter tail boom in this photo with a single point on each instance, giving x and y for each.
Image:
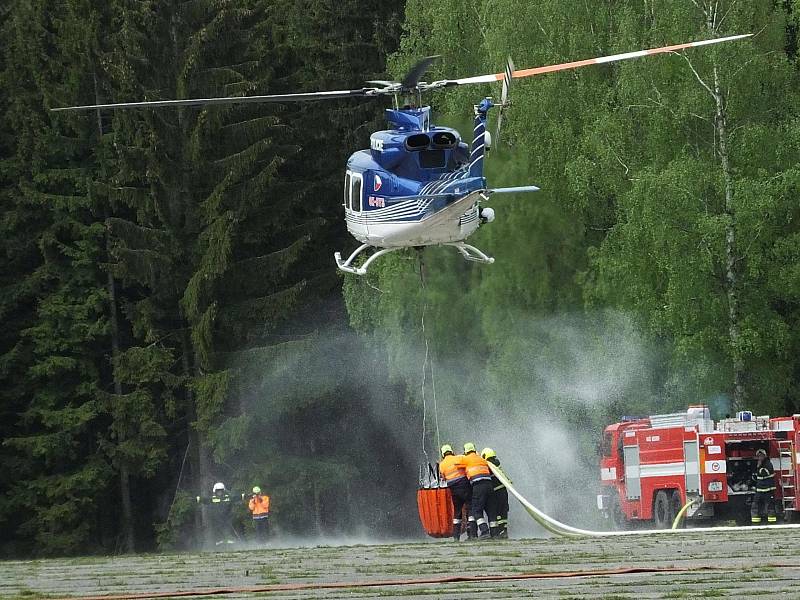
(478, 148)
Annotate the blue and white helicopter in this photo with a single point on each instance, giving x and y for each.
(418, 184)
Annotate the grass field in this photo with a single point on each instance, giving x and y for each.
(718, 565)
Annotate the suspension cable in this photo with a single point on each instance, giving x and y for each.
(425, 361)
(427, 364)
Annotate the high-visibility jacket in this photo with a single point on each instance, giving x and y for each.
(218, 501)
(259, 506)
(765, 477)
(477, 468)
(453, 469)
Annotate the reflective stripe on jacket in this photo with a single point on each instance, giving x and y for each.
(477, 467)
(452, 468)
(765, 477)
(259, 505)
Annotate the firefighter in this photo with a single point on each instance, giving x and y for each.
(497, 504)
(220, 504)
(480, 478)
(764, 499)
(453, 471)
(259, 508)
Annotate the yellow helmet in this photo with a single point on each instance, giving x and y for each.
(488, 453)
(469, 447)
(447, 448)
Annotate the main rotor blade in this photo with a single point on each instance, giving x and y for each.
(231, 100)
(592, 61)
(413, 76)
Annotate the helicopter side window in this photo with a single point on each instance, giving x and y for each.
(355, 193)
(347, 190)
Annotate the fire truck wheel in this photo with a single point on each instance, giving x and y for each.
(675, 506)
(661, 510)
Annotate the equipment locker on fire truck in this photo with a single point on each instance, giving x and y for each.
(650, 467)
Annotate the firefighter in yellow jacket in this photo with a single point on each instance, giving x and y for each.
(497, 505)
(259, 508)
(764, 499)
(454, 473)
(480, 478)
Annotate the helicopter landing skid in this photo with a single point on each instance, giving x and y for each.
(469, 252)
(347, 265)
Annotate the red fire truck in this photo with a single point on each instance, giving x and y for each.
(650, 467)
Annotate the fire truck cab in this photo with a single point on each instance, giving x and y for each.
(651, 467)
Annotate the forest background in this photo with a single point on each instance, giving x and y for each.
(172, 315)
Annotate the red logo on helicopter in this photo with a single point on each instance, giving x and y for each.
(377, 184)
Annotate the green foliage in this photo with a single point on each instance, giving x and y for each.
(611, 293)
(171, 534)
(152, 256)
(666, 256)
(56, 309)
(170, 311)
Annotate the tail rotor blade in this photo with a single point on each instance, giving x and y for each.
(504, 101)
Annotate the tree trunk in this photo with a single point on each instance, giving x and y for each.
(315, 494)
(200, 464)
(317, 508)
(128, 532)
(731, 257)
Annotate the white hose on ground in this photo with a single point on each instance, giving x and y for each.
(558, 528)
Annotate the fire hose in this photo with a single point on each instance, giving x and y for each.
(561, 529)
(681, 512)
(379, 583)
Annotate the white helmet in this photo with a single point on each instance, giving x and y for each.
(218, 487)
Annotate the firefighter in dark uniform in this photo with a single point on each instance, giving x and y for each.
(764, 499)
(497, 505)
(480, 478)
(220, 513)
(453, 471)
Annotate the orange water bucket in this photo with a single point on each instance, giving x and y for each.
(435, 511)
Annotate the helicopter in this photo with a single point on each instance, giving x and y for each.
(418, 184)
